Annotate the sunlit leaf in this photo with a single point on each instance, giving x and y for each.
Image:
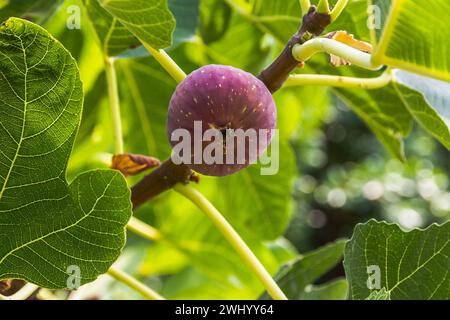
(48, 228)
(415, 37)
(149, 20)
(404, 265)
(427, 100)
(114, 37)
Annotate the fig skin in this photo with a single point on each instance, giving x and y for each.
(222, 97)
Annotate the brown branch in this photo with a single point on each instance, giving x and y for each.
(275, 75)
(161, 179)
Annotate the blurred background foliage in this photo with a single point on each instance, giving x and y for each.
(333, 171)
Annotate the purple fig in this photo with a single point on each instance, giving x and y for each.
(223, 99)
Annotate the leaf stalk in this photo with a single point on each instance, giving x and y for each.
(144, 230)
(114, 105)
(172, 68)
(305, 51)
(338, 8)
(233, 238)
(323, 7)
(134, 284)
(338, 81)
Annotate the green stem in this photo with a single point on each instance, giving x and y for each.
(24, 293)
(338, 81)
(305, 4)
(114, 104)
(317, 45)
(172, 68)
(233, 238)
(338, 8)
(323, 6)
(134, 284)
(143, 229)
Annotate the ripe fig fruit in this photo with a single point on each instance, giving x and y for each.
(223, 99)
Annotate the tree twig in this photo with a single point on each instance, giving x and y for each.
(313, 24)
(160, 180)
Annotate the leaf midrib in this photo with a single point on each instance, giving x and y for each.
(25, 104)
(420, 266)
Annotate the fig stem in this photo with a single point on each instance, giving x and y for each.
(114, 105)
(313, 24)
(134, 284)
(311, 47)
(338, 81)
(158, 181)
(144, 230)
(172, 68)
(338, 8)
(233, 238)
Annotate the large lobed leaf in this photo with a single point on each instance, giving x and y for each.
(415, 37)
(412, 265)
(46, 225)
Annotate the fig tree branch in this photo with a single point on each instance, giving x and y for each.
(338, 81)
(233, 238)
(134, 284)
(160, 180)
(313, 24)
(311, 47)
